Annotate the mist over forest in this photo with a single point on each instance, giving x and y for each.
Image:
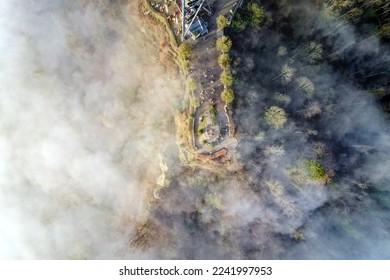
(85, 110)
(87, 130)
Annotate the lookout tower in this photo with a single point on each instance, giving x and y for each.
(193, 23)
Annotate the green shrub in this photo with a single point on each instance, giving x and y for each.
(185, 51)
(255, 14)
(224, 61)
(226, 79)
(384, 31)
(227, 96)
(224, 44)
(191, 84)
(314, 169)
(195, 102)
(354, 14)
(238, 23)
(252, 14)
(222, 22)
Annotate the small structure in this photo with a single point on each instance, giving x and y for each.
(192, 21)
(198, 28)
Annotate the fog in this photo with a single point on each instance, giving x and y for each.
(87, 120)
(85, 110)
(347, 130)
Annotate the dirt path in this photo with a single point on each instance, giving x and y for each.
(206, 71)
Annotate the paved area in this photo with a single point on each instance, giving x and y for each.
(229, 143)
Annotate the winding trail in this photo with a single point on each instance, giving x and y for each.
(206, 72)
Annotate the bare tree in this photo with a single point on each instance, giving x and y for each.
(319, 149)
(298, 234)
(274, 187)
(286, 74)
(282, 98)
(282, 51)
(305, 84)
(289, 208)
(260, 136)
(275, 116)
(274, 150)
(314, 52)
(311, 110)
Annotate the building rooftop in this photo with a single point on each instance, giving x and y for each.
(198, 28)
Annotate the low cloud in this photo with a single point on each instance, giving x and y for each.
(83, 104)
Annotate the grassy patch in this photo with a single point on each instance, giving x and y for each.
(161, 19)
